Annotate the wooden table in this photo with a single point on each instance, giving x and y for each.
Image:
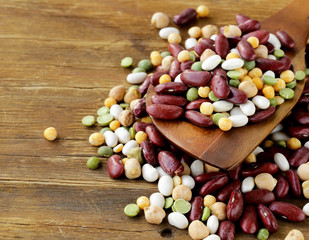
(58, 60)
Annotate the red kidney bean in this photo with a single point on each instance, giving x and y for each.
(304, 99)
(306, 88)
(264, 157)
(169, 100)
(233, 41)
(175, 49)
(287, 64)
(144, 86)
(163, 111)
(225, 193)
(140, 126)
(259, 196)
(198, 119)
(203, 44)
(302, 118)
(236, 96)
(246, 50)
(196, 208)
(149, 152)
(258, 168)
(234, 174)
(139, 109)
(282, 187)
(114, 166)
(285, 39)
(300, 156)
(169, 163)
(213, 185)
(155, 136)
(235, 206)
(220, 71)
(222, 45)
(195, 105)
(240, 18)
(299, 132)
(226, 230)
(186, 16)
(262, 35)
(175, 150)
(195, 78)
(220, 86)
(270, 47)
(154, 78)
(285, 151)
(186, 65)
(268, 218)
(174, 69)
(287, 211)
(248, 221)
(294, 182)
(187, 158)
(249, 26)
(205, 177)
(171, 88)
(261, 115)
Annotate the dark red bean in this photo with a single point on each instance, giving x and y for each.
(287, 211)
(270, 47)
(258, 168)
(198, 119)
(171, 88)
(226, 230)
(285, 151)
(213, 185)
(175, 49)
(222, 45)
(195, 105)
(169, 163)
(139, 109)
(187, 159)
(287, 64)
(220, 71)
(264, 157)
(186, 65)
(249, 26)
(205, 177)
(235, 206)
(246, 50)
(195, 78)
(144, 86)
(261, 115)
(294, 182)
(304, 99)
(285, 39)
(299, 132)
(154, 78)
(236, 96)
(282, 187)
(114, 166)
(220, 86)
(186, 16)
(248, 221)
(240, 18)
(268, 218)
(300, 156)
(196, 208)
(203, 44)
(140, 126)
(155, 136)
(234, 174)
(149, 152)
(259, 196)
(169, 99)
(233, 41)
(163, 111)
(225, 193)
(174, 69)
(262, 35)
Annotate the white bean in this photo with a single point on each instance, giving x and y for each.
(164, 32)
(213, 224)
(161, 172)
(269, 73)
(178, 220)
(257, 150)
(232, 64)
(190, 43)
(177, 78)
(123, 135)
(270, 56)
(239, 120)
(197, 168)
(278, 128)
(136, 78)
(211, 62)
(236, 111)
(274, 41)
(279, 136)
(261, 102)
(247, 184)
(115, 110)
(165, 185)
(306, 209)
(111, 139)
(157, 199)
(187, 180)
(306, 144)
(213, 37)
(222, 106)
(282, 162)
(128, 146)
(212, 237)
(150, 174)
(248, 108)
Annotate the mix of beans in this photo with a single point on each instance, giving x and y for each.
(209, 202)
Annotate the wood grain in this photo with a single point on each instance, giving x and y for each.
(58, 60)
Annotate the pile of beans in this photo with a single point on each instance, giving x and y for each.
(209, 202)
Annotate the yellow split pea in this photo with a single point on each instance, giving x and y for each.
(50, 133)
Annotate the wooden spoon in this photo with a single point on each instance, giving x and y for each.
(228, 149)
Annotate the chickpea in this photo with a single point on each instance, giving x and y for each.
(174, 38)
(265, 181)
(209, 200)
(154, 214)
(219, 209)
(198, 230)
(160, 20)
(303, 171)
(295, 235)
(132, 168)
(209, 30)
(182, 191)
(232, 31)
(195, 32)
